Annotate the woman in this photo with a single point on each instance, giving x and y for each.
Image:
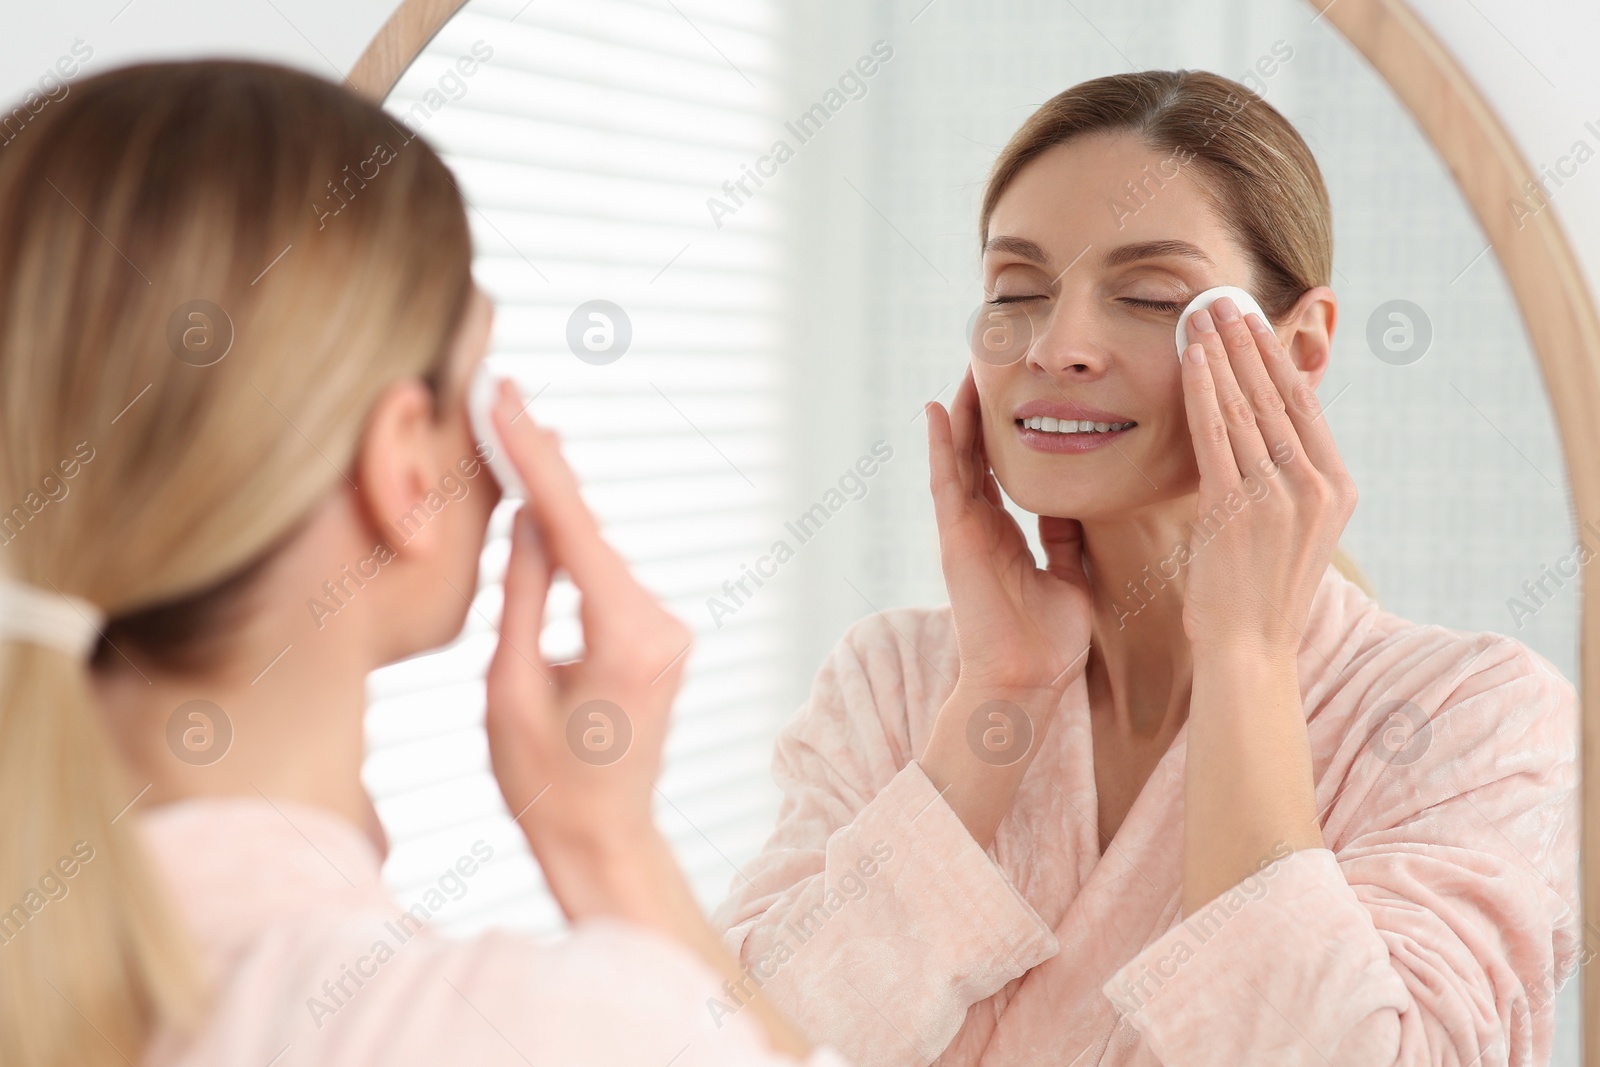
(236, 324)
(1186, 795)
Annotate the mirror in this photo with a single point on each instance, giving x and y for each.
(734, 250)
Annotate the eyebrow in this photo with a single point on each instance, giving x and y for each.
(1018, 246)
(1132, 253)
(1129, 253)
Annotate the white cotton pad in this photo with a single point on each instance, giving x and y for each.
(480, 401)
(1244, 300)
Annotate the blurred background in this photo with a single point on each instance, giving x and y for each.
(729, 334)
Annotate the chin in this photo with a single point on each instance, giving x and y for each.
(1103, 497)
(436, 632)
(458, 625)
(1057, 500)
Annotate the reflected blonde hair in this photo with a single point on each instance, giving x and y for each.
(1255, 168)
(258, 189)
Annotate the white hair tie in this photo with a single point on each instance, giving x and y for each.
(45, 617)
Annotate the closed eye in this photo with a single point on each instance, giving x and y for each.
(1168, 306)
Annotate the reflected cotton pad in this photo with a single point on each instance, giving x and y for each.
(480, 401)
(1244, 300)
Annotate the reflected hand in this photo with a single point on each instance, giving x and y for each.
(1017, 627)
(589, 732)
(1274, 492)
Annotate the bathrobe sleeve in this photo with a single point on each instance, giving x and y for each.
(1437, 926)
(872, 916)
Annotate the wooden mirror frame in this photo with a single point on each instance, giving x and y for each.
(1558, 311)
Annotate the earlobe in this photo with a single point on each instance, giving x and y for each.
(395, 467)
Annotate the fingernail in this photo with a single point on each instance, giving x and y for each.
(1226, 309)
(1201, 321)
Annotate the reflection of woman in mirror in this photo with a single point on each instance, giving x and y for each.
(170, 898)
(1186, 795)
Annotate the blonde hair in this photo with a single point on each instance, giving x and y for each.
(331, 254)
(1256, 169)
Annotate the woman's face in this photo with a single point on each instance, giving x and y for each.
(1101, 273)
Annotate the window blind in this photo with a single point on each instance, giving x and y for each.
(586, 139)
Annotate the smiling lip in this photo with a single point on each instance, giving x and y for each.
(1057, 409)
(1044, 441)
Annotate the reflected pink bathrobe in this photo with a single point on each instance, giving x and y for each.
(1434, 928)
(286, 906)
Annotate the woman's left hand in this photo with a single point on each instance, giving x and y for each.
(1274, 493)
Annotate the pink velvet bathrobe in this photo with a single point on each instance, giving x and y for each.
(1434, 928)
(314, 964)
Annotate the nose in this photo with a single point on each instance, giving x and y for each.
(1068, 343)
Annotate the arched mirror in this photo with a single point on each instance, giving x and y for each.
(734, 250)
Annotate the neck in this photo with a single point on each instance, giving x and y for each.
(1140, 657)
(295, 722)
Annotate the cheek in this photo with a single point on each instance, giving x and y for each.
(1158, 389)
(999, 432)
(478, 494)
(1175, 410)
(992, 381)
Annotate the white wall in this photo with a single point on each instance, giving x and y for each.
(326, 38)
(1535, 63)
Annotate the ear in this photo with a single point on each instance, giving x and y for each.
(1307, 334)
(397, 467)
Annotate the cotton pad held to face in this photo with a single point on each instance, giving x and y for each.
(1244, 300)
(480, 401)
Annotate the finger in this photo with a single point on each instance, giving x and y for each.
(991, 490)
(1207, 429)
(1313, 437)
(963, 540)
(987, 486)
(964, 432)
(610, 594)
(943, 480)
(1259, 390)
(527, 589)
(1244, 436)
(1062, 540)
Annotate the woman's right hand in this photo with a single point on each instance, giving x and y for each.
(1018, 628)
(1022, 633)
(576, 747)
